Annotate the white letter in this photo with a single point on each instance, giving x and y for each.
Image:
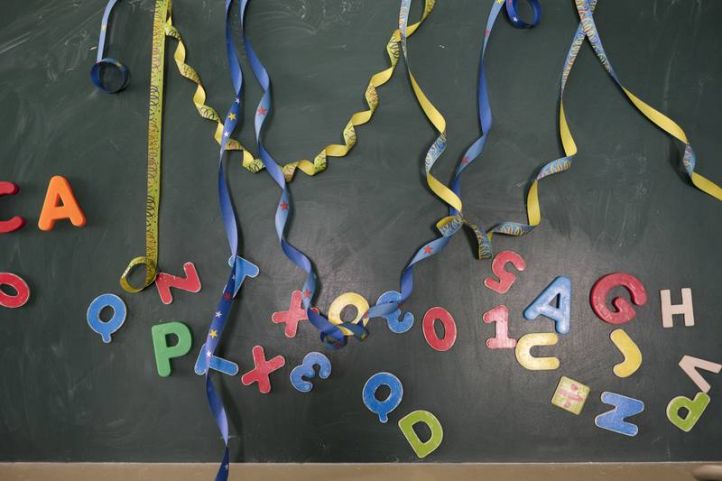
(669, 309)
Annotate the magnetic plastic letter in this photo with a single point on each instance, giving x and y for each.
(163, 352)
(624, 407)
(506, 278)
(307, 370)
(60, 204)
(625, 312)
(422, 448)
(397, 324)
(439, 314)
(190, 283)
(242, 268)
(376, 406)
(348, 299)
(20, 298)
(527, 342)
(13, 223)
(669, 309)
(295, 314)
(105, 329)
(499, 315)
(630, 351)
(260, 373)
(216, 363)
(694, 408)
(555, 303)
(690, 366)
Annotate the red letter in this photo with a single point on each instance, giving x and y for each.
(625, 312)
(191, 282)
(506, 279)
(14, 223)
(439, 314)
(295, 314)
(21, 287)
(500, 316)
(60, 204)
(260, 373)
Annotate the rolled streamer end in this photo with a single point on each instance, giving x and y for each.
(516, 20)
(151, 271)
(97, 77)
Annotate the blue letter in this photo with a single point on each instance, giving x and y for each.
(383, 408)
(560, 311)
(614, 420)
(307, 370)
(105, 329)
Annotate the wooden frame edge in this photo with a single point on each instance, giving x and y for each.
(693, 471)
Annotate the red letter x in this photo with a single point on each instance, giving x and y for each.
(262, 369)
(295, 314)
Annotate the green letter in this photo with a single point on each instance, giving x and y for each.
(422, 448)
(163, 352)
(694, 408)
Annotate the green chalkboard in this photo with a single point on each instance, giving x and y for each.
(624, 206)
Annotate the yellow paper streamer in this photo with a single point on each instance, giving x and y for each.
(319, 162)
(155, 129)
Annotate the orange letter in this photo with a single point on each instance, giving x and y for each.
(60, 204)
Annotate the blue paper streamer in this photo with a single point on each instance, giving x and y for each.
(472, 153)
(102, 62)
(331, 334)
(240, 268)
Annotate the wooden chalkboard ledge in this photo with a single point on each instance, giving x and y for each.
(357, 472)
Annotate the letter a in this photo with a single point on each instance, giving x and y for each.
(60, 204)
(554, 303)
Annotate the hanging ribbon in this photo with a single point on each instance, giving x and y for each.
(150, 260)
(451, 224)
(349, 134)
(447, 226)
(359, 118)
(331, 334)
(240, 268)
(555, 166)
(587, 29)
(155, 130)
(199, 100)
(162, 27)
(249, 162)
(102, 62)
(585, 10)
(484, 108)
(199, 97)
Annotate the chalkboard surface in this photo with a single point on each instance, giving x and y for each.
(624, 206)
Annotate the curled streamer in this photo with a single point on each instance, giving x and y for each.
(331, 334)
(587, 29)
(451, 224)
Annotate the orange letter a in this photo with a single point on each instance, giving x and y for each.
(60, 204)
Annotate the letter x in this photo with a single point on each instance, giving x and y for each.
(295, 314)
(262, 369)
